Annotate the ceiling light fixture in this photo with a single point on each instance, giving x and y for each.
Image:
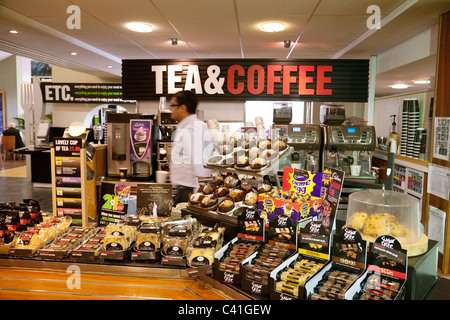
(287, 43)
(73, 53)
(399, 86)
(174, 41)
(13, 31)
(109, 67)
(139, 27)
(272, 27)
(422, 82)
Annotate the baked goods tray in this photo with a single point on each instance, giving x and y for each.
(223, 217)
(269, 168)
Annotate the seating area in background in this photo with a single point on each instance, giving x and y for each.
(8, 146)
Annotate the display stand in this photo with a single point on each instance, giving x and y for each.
(231, 222)
(271, 169)
(69, 181)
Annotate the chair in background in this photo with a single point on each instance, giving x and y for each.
(9, 144)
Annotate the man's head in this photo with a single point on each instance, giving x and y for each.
(183, 104)
(11, 125)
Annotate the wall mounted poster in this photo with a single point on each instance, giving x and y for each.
(67, 178)
(113, 202)
(441, 138)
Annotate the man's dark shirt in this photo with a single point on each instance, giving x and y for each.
(15, 132)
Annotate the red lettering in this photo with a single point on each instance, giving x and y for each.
(303, 80)
(230, 79)
(259, 70)
(287, 79)
(271, 78)
(321, 80)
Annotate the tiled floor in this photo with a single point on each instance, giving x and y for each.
(14, 185)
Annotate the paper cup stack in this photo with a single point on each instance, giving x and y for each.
(418, 142)
(410, 123)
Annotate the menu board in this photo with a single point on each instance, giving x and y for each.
(67, 182)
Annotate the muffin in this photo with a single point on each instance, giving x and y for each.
(222, 191)
(258, 163)
(279, 146)
(251, 198)
(208, 189)
(196, 198)
(242, 161)
(237, 195)
(231, 181)
(264, 187)
(253, 153)
(208, 201)
(226, 205)
(268, 154)
(265, 144)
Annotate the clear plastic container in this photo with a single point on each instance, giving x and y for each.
(332, 114)
(382, 212)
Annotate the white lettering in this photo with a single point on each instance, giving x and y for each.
(73, 21)
(159, 78)
(74, 280)
(172, 78)
(373, 22)
(193, 80)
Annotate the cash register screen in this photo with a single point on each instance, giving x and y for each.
(351, 130)
(296, 129)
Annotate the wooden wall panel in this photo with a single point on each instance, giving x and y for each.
(442, 109)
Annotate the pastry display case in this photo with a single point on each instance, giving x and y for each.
(382, 212)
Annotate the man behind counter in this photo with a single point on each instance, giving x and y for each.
(191, 148)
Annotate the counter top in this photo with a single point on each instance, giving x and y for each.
(416, 164)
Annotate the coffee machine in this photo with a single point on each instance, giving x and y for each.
(350, 144)
(143, 133)
(166, 126)
(307, 141)
(118, 138)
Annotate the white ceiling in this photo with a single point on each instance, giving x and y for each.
(209, 29)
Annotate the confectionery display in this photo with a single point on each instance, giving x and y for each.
(334, 285)
(293, 278)
(235, 254)
(378, 288)
(268, 258)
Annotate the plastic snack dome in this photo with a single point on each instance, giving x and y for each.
(379, 212)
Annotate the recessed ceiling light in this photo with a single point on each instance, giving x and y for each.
(73, 53)
(109, 67)
(399, 86)
(139, 27)
(13, 31)
(272, 27)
